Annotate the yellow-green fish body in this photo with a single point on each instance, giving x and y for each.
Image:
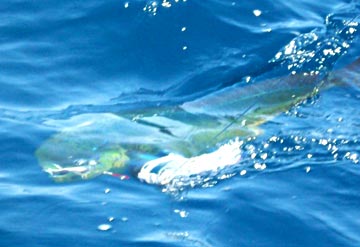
(91, 144)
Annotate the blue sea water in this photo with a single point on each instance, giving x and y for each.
(60, 59)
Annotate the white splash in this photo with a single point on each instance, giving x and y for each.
(163, 170)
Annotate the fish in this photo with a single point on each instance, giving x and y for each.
(159, 144)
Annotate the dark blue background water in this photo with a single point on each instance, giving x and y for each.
(63, 58)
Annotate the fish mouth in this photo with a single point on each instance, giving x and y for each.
(73, 169)
(79, 170)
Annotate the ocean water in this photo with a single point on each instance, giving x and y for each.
(297, 184)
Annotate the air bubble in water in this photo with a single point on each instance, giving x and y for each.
(104, 227)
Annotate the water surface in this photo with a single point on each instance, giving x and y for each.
(63, 59)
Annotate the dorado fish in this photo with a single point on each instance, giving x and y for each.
(160, 144)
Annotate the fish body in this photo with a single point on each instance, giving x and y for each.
(190, 133)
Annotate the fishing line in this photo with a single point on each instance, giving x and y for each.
(233, 121)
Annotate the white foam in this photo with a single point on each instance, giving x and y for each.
(163, 170)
